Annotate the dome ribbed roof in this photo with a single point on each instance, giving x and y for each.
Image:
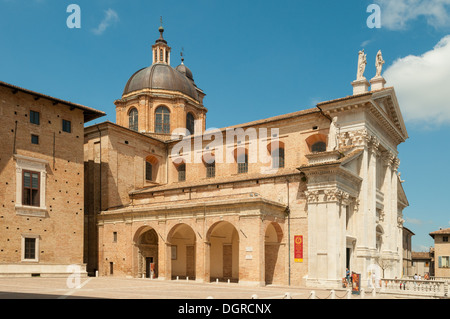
(162, 76)
(185, 70)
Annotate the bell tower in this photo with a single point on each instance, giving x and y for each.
(160, 50)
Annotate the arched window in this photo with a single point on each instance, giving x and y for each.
(242, 160)
(133, 117)
(182, 172)
(319, 147)
(162, 120)
(278, 158)
(190, 122)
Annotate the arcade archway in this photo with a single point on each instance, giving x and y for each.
(183, 247)
(224, 252)
(147, 253)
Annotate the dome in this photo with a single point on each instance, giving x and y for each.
(163, 76)
(185, 70)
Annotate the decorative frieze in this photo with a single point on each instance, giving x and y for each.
(354, 138)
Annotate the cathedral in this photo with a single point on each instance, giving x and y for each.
(294, 199)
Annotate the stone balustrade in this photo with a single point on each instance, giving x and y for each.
(428, 288)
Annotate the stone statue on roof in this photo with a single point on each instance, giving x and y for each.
(362, 62)
(332, 135)
(379, 63)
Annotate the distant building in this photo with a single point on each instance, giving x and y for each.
(41, 183)
(441, 252)
(421, 264)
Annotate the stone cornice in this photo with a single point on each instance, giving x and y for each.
(191, 208)
(159, 94)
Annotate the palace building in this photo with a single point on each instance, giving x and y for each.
(41, 183)
(294, 199)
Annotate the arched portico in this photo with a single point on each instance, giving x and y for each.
(147, 252)
(223, 241)
(273, 254)
(183, 244)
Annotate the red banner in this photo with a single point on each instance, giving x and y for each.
(298, 249)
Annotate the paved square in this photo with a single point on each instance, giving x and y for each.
(123, 288)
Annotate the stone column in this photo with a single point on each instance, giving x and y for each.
(396, 222)
(200, 256)
(206, 261)
(372, 198)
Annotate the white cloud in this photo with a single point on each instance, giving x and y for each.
(414, 221)
(396, 14)
(422, 84)
(111, 17)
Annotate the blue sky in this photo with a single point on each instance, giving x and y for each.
(254, 59)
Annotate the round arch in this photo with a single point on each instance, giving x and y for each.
(183, 244)
(146, 242)
(224, 252)
(273, 254)
(315, 140)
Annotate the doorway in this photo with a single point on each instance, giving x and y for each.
(149, 267)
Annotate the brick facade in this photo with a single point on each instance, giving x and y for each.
(55, 221)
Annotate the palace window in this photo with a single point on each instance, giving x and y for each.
(133, 118)
(34, 117)
(31, 187)
(34, 139)
(30, 248)
(319, 147)
(162, 120)
(190, 123)
(31, 176)
(66, 126)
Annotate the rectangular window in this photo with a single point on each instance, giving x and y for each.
(445, 239)
(30, 248)
(148, 171)
(34, 117)
(30, 191)
(115, 237)
(211, 170)
(34, 139)
(444, 262)
(182, 173)
(66, 126)
(242, 163)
